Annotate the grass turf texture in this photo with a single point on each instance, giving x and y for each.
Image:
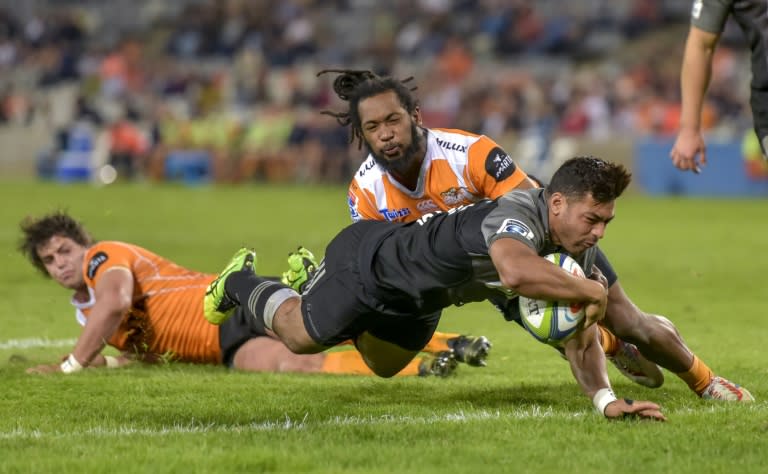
(699, 262)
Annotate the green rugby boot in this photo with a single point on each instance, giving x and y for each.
(302, 265)
(217, 305)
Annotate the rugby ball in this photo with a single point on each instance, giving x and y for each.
(552, 322)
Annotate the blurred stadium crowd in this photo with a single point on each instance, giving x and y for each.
(156, 88)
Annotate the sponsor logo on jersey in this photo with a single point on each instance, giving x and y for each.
(426, 217)
(454, 196)
(369, 164)
(427, 205)
(451, 146)
(499, 165)
(352, 202)
(96, 261)
(696, 10)
(394, 214)
(514, 226)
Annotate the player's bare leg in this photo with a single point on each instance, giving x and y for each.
(657, 338)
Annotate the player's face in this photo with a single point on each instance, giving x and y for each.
(63, 259)
(578, 224)
(391, 134)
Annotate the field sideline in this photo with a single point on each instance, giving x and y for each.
(699, 262)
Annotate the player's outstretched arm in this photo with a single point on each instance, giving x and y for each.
(587, 362)
(114, 292)
(114, 295)
(110, 362)
(689, 151)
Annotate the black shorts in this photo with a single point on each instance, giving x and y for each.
(337, 307)
(236, 331)
(756, 30)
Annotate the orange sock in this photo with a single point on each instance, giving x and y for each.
(608, 340)
(698, 376)
(351, 362)
(439, 342)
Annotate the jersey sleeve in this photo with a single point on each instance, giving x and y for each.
(103, 256)
(361, 204)
(491, 170)
(710, 15)
(515, 217)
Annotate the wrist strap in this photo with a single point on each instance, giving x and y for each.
(112, 362)
(71, 365)
(602, 398)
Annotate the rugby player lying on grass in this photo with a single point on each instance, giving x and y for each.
(150, 309)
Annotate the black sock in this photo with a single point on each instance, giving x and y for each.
(253, 292)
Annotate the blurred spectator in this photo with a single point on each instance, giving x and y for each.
(128, 147)
(263, 147)
(121, 71)
(235, 73)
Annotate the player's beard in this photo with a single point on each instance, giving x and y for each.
(402, 165)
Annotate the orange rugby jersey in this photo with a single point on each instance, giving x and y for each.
(459, 168)
(166, 317)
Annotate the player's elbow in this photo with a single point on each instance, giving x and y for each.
(119, 304)
(512, 279)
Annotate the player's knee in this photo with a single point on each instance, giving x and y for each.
(662, 326)
(288, 324)
(643, 328)
(626, 322)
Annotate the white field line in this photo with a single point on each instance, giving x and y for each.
(35, 342)
(286, 424)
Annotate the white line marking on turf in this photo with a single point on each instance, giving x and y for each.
(287, 424)
(36, 342)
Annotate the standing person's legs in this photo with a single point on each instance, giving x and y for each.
(759, 105)
(759, 86)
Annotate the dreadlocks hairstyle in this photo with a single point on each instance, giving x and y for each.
(355, 85)
(38, 232)
(584, 175)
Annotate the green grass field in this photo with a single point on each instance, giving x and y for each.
(699, 262)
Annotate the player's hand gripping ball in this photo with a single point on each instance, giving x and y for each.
(553, 322)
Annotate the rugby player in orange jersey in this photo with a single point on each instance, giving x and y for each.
(412, 171)
(150, 309)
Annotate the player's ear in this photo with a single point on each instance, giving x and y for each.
(416, 115)
(556, 203)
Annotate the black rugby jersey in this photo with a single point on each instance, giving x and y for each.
(752, 17)
(442, 258)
